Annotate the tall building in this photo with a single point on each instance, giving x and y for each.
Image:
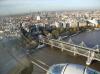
(38, 18)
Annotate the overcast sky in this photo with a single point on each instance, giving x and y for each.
(21, 6)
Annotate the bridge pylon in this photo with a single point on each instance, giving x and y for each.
(75, 51)
(90, 57)
(62, 47)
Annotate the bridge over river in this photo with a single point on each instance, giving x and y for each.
(90, 53)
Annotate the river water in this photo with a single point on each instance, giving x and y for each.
(90, 38)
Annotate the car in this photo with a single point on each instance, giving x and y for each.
(68, 68)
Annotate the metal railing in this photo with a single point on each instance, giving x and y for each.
(91, 54)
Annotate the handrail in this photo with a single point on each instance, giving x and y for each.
(90, 53)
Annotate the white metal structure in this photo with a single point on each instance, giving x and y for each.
(91, 54)
(71, 69)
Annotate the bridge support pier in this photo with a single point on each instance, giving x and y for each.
(51, 42)
(90, 57)
(62, 47)
(75, 51)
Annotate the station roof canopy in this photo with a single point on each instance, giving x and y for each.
(94, 21)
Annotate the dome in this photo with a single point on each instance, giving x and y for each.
(71, 69)
(76, 69)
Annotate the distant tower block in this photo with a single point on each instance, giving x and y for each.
(38, 18)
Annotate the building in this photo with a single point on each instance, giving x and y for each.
(94, 23)
(56, 24)
(38, 18)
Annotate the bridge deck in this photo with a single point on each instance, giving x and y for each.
(51, 56)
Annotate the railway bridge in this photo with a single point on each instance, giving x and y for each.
(89, 53)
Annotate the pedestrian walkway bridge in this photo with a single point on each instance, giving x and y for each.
(89, 53)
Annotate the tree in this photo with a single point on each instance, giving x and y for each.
(45, 32)
(55, 33)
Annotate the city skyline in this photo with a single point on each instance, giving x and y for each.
(21, 6)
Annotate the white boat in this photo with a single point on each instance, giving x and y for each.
(1, 31)
(97, 28)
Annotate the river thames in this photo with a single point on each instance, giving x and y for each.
(90, 38)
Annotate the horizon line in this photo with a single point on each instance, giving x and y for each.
(29, 12)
